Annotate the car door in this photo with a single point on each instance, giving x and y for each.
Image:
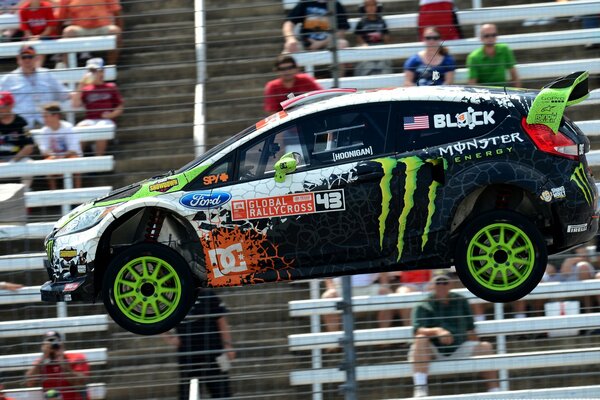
(318, 216)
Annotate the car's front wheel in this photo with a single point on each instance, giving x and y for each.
(148, 289)
(500, 256)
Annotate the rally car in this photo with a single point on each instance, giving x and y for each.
(490, 180)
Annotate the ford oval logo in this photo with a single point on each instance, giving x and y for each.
(205, 199)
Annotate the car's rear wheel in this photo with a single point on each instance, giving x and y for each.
(148, 289)
(500, 256)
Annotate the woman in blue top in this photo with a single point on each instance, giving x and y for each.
(431, 66)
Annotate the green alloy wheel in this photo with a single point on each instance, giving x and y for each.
(148, 289)
(500, 256)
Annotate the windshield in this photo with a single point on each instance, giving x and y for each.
(216, 149)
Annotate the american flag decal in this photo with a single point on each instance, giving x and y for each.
(416, 122)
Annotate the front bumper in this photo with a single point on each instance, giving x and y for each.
(80, 288)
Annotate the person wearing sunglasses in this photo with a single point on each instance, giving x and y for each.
(444, 330)
(432, 65)
(290, 81)
(488, 64)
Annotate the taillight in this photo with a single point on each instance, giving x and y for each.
(550, 142)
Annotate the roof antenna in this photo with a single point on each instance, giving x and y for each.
(435, 75)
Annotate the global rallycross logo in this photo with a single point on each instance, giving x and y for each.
(470, 118)
(479, 144)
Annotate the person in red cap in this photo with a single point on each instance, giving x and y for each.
(55, 369)
(15, 144)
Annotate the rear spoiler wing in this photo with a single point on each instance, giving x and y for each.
(549, 105)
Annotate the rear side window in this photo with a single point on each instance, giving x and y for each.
(425, 124)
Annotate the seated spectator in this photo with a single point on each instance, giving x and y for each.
(371, 30)
(489, 63)
(15, 143)
(38, 22)
(92, 18)
(10, 7)
(57, 370)
(32, 87)
(314, 32)
(10, 286)
(289, 81)
(432, 65)
(58, 140)
(410, 282)
(102, 100)
(444, 330)
(440, 14)
(362, 285)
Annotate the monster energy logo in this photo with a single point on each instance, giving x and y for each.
(413, 165)
(580, 180)
(49, 247)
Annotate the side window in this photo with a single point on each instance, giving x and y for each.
(217, 175)
(257, 160)
(425, 124)
(347, 134)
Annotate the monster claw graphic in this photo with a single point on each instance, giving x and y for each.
(580, 180)
(388, 165)
(412, 167)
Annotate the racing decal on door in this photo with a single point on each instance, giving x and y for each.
(288, 205)
(580, 180)
(236, 256)
(412, 166)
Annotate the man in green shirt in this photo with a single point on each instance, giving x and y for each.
(488, 64)
(444, 329)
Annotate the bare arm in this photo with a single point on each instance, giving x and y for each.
(409, 77)
(25, 151)
(514, 76)
(226, 337)
(449, 78)
(291, 43)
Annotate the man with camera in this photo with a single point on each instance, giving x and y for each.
(57, 370)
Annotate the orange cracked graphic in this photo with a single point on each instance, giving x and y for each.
(236, 256)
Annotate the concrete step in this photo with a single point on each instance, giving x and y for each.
(150, 166)
(221, 51)
(184, 100)
(217, 10)
(221, 84)
(136, 7)
(161, 15)
(240, 111)
(255, 24)
(172, 146)
(151, 43)
(159, 30)
(158, 71)
(141, 89)
(238, 68)
(178, 53)
(142, 133)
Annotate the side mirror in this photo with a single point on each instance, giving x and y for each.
(286, 164)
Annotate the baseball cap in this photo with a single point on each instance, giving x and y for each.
(26, 49)
(440, 278)
(6, 99)
(95, 63)
(52, 336)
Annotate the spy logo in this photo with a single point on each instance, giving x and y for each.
(470, 118)
(227, 260)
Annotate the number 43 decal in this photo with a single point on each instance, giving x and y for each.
(332, 200)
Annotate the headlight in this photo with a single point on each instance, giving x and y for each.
(85, 220)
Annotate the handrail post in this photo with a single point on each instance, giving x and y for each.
(315, 327)
(501, 346)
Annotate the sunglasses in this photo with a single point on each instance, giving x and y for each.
(489, 35)
(286, 68)
(27, 57)
(432, 38)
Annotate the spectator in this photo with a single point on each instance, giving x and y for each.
(10, 286)
(38, 22)
(91, 18)
(362, 285)
(204, 345)
(58, 140)
(32, 87)
(289, 81)
(102, 100)
(64, 372)
(10, 7)
(410, 282)
(2, 395)
(315, 31)
(431, 66)
(440, 14)
(488, 64)
(371, 30)
(15, 143)
(444, 329)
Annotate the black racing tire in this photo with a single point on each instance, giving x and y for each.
(148, 288)
(500, 256)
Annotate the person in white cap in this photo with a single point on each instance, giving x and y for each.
(102, 100)
(444, 329)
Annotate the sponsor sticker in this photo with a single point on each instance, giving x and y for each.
(368, 151)
(69, 287)
(67, 297)
(289, 204)
(204, 200)
(546, 196)
(480, 144)
(229, 260)
(67, 254)
(469, 118)
(558, 192)
(163, 186)
(212, 179)
(577, 228)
